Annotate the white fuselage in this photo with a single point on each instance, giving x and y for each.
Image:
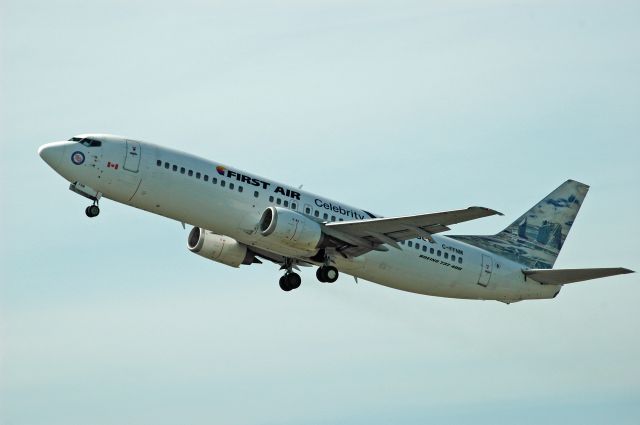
(142, 175)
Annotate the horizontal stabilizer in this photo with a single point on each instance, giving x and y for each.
(564, 276)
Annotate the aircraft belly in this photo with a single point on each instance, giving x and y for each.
(407, 273)
(411, 274)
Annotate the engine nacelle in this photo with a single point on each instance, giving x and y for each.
(291, 228)
(222, 249)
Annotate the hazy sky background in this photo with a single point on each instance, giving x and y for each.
(397, 107)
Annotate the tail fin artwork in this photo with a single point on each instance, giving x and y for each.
(535, 239)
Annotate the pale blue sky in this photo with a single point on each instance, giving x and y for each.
(397, 107)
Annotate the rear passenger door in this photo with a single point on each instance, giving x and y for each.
(486, 270)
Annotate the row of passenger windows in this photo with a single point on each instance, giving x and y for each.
(325, 216)
(278, 201)
(223, 183)
(199, 175)
(432, 250)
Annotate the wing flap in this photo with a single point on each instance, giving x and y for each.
(564, 276)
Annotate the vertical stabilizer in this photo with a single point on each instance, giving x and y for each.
(535, 239)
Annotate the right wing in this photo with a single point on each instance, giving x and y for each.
(366, 235)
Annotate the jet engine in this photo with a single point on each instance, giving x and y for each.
(222, 249)
(291, 228)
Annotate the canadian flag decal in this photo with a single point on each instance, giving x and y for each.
(112, 165)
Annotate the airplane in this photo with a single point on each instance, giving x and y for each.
(240, 218)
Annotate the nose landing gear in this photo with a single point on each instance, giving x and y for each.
(92, 210)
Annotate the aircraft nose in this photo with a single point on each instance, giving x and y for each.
(51, 153)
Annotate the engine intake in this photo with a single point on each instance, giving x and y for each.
(220, 248)
(291, 228)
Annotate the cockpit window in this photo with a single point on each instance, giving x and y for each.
(90, 143)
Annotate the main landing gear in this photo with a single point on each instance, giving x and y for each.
(327, 274)
(290, 280)
(92, 210)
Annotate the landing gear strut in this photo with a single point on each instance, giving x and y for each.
(290, 280)
(92, 210)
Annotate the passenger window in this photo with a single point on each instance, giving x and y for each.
(453, 258)
(206, 177)
(431, 251)
(316, 213)
(410, 244)
(333, 218)
(166, 165)
(439, 253)
(424, 248)
(325, 216)
(214, 180)
(240, 188)
(198, 175)
(402, 242)
(279, 201)
(307, 210)
(417, 245)
(446, 255)
(293, 205)
(190, 173)
(175, 167)
(340, 219)
(286, 203)
(158, 163)
(223, 183)
(182, 170)
(231, 186)
(460, 260)
(270, 198)
(255, 194)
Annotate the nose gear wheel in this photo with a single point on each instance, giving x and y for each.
(92, 210)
